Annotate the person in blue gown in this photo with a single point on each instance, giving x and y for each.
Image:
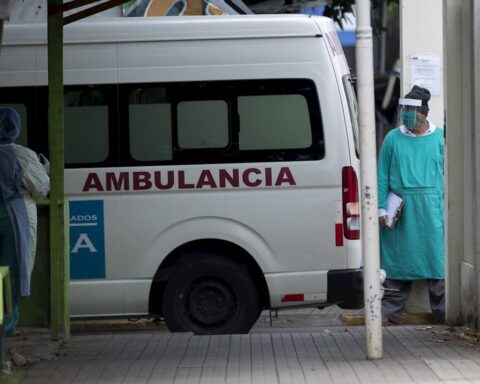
(411, 166)
(23, 179)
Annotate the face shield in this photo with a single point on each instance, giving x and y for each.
(408, 113)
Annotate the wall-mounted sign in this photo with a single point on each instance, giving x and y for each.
(425, 71)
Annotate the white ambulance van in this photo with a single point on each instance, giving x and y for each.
(211, 164)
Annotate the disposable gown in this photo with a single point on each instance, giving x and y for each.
(23, 180)
(412, 167)
(37, 186)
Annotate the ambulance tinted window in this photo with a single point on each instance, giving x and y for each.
(150, 125)
(221, 122)
(274, 122)
(86, 126)
(202, 124)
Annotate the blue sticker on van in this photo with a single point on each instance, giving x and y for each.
(87, 240)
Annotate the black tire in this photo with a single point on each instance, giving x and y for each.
(210, 295)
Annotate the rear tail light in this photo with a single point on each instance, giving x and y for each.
(351, 207)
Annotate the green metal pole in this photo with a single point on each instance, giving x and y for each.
(59, 264)
(5, 293)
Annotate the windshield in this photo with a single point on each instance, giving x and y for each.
(353, 108)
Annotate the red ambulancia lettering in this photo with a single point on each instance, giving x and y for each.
(117, 183)
(206, 179)
(268, 177)
(170, 180)
(232, 178)
(285, 176)
(181, 181)
(246, 177)
(166, 180)
(141, 181)
(92, 182)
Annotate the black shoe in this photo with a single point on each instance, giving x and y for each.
(387, 322)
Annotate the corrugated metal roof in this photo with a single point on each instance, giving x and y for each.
(29, 10)
(36, 10)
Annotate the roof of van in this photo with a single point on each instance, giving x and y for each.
(172, 28)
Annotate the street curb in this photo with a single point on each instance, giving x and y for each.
(407, 319)
(115, 325)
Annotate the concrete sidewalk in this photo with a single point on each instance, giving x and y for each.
(412, 354)
(290, 351)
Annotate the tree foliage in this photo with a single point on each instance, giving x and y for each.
(338, 9)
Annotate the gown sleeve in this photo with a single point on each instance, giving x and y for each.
(384, 170)
(36, 179)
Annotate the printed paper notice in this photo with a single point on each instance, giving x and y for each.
(425, 72)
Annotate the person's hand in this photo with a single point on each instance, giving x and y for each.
(382, 220)
(44, 161)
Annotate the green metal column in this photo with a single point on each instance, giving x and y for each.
(59, 262)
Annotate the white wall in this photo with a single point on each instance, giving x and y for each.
(421, 32)
(462, 100)
(475, 126)
(457, 188)
(421, 35)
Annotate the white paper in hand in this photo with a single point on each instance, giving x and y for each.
(394, 206)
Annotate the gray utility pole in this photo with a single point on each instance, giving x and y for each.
(368, 173)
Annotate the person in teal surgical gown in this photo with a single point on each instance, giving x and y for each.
(411, 166)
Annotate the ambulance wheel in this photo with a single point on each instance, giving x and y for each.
(210, 295)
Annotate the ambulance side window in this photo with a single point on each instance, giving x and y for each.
(86, 122)
(202, 124)
(150, 125)
(212, 122)
(30, 103)
(274, 122)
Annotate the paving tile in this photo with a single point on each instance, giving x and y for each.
(290, 356)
